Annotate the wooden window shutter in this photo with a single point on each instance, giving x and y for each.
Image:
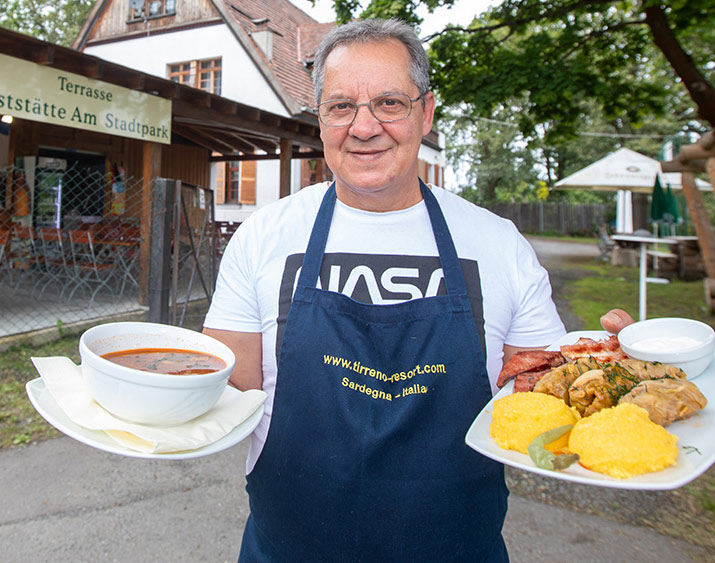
(220, 183)
(248, 182)
(423, 170)
(437, 175)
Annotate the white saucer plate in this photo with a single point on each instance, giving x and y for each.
(48, 408)
(695, 440)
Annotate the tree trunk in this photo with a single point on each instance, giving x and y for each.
(701, 91)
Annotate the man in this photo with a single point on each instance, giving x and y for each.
(376, 314)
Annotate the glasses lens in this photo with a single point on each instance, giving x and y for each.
(391, 107)
(337, 112)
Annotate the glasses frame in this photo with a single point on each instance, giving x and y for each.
(369, 106)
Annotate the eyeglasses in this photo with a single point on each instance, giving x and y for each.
(386, 108)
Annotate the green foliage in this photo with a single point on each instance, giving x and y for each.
(491, 156)
(560, 54)
(401, 9)
(56, 21)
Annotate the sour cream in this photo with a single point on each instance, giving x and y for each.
(666, 344)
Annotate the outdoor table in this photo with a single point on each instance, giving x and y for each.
(643, 242)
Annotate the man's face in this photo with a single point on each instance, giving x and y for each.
(374, 163)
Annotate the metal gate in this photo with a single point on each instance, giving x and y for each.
(183, 262)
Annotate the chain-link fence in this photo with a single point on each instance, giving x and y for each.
(72, 251)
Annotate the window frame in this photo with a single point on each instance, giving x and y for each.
(196, 73)
(241, 189)
(144, 14)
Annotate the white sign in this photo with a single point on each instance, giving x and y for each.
(39, 93)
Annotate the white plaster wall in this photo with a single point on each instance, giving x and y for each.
(241, 79)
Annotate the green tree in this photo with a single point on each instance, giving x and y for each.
(477, 148)
(558, 53)
(56, 21)
(491, 157)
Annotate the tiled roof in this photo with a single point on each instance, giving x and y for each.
(295, 38)
(310, 37)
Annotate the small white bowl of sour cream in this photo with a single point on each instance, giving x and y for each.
(684, 343)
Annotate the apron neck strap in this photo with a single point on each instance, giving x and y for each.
(313, 259)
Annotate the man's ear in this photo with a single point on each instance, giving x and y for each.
(427, 112)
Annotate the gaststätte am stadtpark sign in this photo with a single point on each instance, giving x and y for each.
(39, 93)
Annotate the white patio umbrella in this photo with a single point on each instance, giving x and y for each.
(623, 171)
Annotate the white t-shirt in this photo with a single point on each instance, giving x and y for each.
(381, 258)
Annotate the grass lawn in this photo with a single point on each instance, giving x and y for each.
(608, 287)
(19, 421)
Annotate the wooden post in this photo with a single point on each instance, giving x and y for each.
(11, 163)
(151, 169)
(160, 268)
(707, 247)
(286, 157)
(701, 222)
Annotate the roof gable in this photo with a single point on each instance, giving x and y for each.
(295, 36)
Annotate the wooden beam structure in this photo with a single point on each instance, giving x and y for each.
(699, 158)
(223, 126)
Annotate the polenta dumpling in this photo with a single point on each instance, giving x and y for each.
(623, 442)
(520, 417)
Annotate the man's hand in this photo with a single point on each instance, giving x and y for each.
(247, 347)
(616, 320)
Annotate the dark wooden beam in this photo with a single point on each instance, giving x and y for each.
(285, 160)
(296, 155)
(46, 56)
(187, 113)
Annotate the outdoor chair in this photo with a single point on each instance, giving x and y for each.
(5, 265)
(605, 243)
(56, 268)
(24, 258)
(89, 272)
(118, 245)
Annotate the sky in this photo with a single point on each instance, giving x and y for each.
(461, 13)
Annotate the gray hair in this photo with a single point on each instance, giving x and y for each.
(373, 31)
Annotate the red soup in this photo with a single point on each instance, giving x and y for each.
(167, 361)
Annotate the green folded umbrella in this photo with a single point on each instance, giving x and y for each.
(672, 204)
(658, 204)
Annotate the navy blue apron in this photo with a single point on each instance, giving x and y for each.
(365, 457)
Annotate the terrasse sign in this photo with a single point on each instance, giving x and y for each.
(32, 91)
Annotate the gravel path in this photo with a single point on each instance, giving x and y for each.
(677, 513)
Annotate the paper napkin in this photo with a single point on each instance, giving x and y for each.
(63, 380)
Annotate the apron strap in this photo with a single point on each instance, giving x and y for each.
(313, 259)
(452, 270)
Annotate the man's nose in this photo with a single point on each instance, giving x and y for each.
(365, 123)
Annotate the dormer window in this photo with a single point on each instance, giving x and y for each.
(144, 9)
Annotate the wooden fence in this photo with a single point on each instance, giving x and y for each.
(545, 217)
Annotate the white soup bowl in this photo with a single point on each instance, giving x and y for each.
(148, 397)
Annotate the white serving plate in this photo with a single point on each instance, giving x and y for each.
(696, 440)
(48, 408)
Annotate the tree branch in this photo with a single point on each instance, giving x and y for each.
(515, 23)
(701, 91)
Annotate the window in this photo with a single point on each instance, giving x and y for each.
(236, 182)
(233, 186)
(143, 9)
(205, 75)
